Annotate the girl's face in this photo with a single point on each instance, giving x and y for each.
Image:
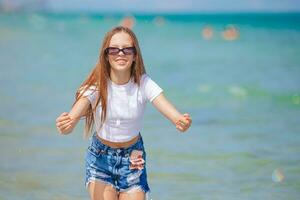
(121, 61)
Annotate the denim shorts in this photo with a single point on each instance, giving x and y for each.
(111, 166)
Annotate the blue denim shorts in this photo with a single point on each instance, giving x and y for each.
(111, 166)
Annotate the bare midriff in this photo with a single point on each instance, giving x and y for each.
(119, 144)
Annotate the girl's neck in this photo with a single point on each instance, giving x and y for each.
(119, 77)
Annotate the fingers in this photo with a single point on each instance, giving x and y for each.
(64, 123)
(139, 167)
(137, 163)
(180, 128)
(64, 116)
(188, 117)
(63, 119)
(184, 122)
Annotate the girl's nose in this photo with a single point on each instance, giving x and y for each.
(121, 53)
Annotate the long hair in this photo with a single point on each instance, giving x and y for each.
(100, 75)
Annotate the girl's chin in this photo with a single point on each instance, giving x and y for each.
(121, 68)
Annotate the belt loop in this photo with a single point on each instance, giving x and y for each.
(105, 150)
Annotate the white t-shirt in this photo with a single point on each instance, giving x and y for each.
(125, 108)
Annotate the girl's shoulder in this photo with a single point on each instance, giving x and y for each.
(144, 78)
(88, 90)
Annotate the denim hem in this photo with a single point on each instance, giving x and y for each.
(90, 179)
(138, 187)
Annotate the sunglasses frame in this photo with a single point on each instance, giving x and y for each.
(133, 51)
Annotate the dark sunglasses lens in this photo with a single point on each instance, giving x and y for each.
(129, 51)
(115, 51)
(112, 51)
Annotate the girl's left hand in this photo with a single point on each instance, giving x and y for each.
(184, 122)
(137, 163)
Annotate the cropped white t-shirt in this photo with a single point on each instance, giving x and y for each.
(125, 108)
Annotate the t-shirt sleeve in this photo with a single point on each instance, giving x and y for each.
(91, 93)
(150, 89)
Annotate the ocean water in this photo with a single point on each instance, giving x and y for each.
(243, 96)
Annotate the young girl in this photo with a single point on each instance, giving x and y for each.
(113, 100)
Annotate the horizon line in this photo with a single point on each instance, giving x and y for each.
(139, 13)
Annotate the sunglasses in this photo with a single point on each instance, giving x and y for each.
(115, 51)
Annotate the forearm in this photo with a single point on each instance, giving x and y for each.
(166, 108)
(79, 109)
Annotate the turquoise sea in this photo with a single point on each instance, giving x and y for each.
(243, 96)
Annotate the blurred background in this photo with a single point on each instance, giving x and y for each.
(233, 65)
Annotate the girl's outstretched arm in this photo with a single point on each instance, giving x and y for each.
(181, 121)
(66, 122)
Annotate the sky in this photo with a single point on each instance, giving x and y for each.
(156, 5)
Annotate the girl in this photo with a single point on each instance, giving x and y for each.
(113, 100)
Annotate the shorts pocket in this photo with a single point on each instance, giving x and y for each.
(94, 151)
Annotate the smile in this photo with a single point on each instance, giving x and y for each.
(121, 61)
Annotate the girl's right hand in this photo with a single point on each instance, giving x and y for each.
(184, 122)
(64, 123)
